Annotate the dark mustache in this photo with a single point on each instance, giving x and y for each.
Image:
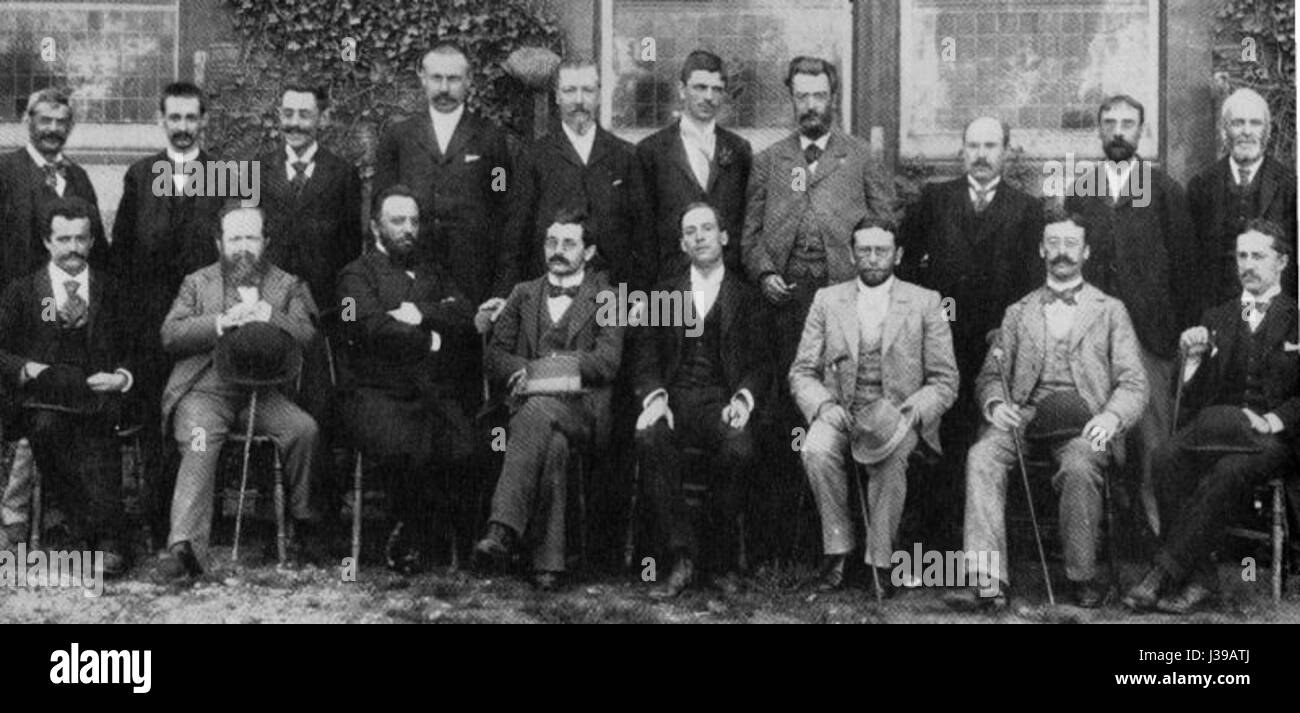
(557, 260)
(1061, 260)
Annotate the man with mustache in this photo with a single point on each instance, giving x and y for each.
(1241, 409)
(973, 239)
(1244, 185)
(158, 239)
(62, 323)
(200, 407)
(551, 315)
(31, 178)
(693, 159)
(457, 165)
(805, 194)
(874, 375)
(1077, 383)
(1144, 254)
(401, 358)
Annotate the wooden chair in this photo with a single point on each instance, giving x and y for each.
(1278, 533)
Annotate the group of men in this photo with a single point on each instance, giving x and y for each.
(979, 328)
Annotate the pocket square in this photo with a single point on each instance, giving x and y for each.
(617, 182)
(1291, 347)
(472, 157)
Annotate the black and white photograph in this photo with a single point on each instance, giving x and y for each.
(650, 311)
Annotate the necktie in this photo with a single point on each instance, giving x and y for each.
(1065, 296)
(73, 314)
(299, 175)
(52, 172)
(1254, 312)
(982, 199)
(1243, 176)
(811, 153)
(553, 291)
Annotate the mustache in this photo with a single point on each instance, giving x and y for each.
(1062, 260)
(182, 135)
(558, 260)
(52, 135)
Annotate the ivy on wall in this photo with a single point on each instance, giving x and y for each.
(1255, 47)
(366, 54)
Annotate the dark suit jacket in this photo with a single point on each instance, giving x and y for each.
(658, 349)
(551, 176)
(1281, 376)
(983, 270)
(518, 330)
(23, 195)
(25, 334)
(315, 233)
(381, 352)
(460, 214)
(1145, 256)
(1217, 228)
(671, 186)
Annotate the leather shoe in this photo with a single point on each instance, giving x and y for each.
(181, 564)
(973, 599)
(401, 554)
(115, 565)
(881, 575)
(1189, 599)
(831, 576)
(1146, 593)
(12, 535)
(1088, 594)
(681, 577)
(728, 582)
(495, 547)
(546, 581)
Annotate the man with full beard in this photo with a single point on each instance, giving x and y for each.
(201, 407)
(405, 349)
(1144, 253)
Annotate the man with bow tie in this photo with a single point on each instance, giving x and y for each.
(1071, 360)
(553, 314)
(1240, 413)
(63, 355)
(407, 350)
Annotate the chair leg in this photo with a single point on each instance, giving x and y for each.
(356, 514)
(243, 479)
(582, 511)
(38, 503)
(1279, 524)
(629, 537)
(742, 556)
(281, 536)
(451, 520)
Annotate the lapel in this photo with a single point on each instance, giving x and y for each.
(682, 284)
(601, 148)
(992, 217)
(44, 291)
(1267, 185)
(584, 305)
(832, 158)
(212, 295)
(788, 155)
(895, 316)
(274, 170)
(1280, 316)
(466, 130)
(321, 177)
(96, 301)
(422, 132)
(1027, 361)
(563, 148)
(1091, 303)
(533, 301)
(847, 312)
(1232, 330)
(677, 156)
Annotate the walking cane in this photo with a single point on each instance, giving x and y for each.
(862, 502)
(998, 355)
(243, 480)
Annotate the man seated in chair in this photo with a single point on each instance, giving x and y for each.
(555, 314)
(875, 368)
(1072, 363)
(1241, 406)
(202, 408)
(408, 352)
(696, 380)
(63, 358)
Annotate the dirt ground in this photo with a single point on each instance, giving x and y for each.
(257, 591)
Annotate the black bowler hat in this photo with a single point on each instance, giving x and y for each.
(1058, 417)
(257, 354)
(1219, 430)
(62, 387)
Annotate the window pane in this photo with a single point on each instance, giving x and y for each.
(755, 38)
(1041, 66)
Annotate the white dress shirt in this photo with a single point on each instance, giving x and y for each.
(308, 157)
(444, 125)
(873, 305)
(1117, 180)
(60, 183)
(178, 167)
(557, 306)
(805, 142)
(435, 339)
(973, 188)
(701, 141)
(1058, 314)
(582, 143)
(59, 278)
(1236, 169)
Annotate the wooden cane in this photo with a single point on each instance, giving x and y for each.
(866, 524)
(1024, 476)
(243, 480)
(356, 514)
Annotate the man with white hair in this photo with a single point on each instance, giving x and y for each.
(1243, 185)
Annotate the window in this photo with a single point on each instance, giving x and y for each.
(755, 38)
(1043, 67)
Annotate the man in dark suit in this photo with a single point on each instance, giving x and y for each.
(693, 159)
(34, 175)
(200, 407)
(1144, 253)
(973, 240)
(1242, 399)
(554, 314)
(580, 165)
(1244, 185)
(61, 324)
(456, 163)
(159, 237)
(698, 386)
(408, 348)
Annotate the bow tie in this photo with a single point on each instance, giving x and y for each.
(811, 153)
(553, 291)
(1066, 296)
(1260, 306)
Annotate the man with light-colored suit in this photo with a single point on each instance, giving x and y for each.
(1074, 368)
(201, 407)
(874, 342)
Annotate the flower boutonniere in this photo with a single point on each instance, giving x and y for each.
(725, 156)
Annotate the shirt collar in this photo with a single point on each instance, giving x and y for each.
(989, 188)
(58, 276)
(568, 280)
(191, 155)
(804, 141)
(575, 137)
(1236, 167)
(695, 130)
(452, 117)
(1054, 284)
(307, 156)
(699, 278)
(40, 158)
(1268, 296)
(1117, 176)
(880, 291)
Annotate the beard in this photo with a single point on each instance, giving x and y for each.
(814, 124)
(242, 269)
(1118, 149)
(401, 251)
(873, 278)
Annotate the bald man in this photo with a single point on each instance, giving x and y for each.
(1243, 185)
